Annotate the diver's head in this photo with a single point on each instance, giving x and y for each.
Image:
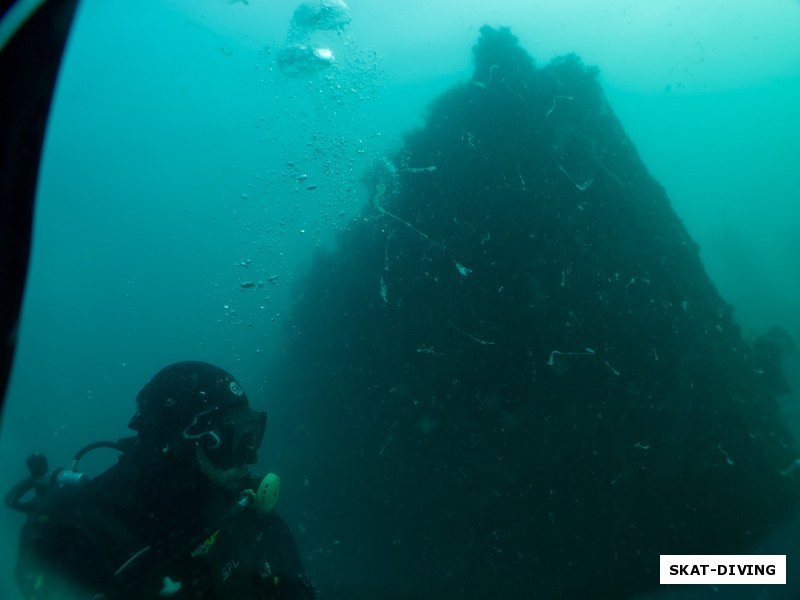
(197, 413)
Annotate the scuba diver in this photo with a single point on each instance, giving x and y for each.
(179, 515)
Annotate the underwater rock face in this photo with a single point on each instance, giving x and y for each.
(513, 377)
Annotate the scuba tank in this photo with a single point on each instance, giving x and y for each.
(260, 492)
(41, 480)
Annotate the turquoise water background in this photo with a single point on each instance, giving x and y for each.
(179, 161)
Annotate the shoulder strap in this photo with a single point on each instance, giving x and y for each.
(146, 563)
